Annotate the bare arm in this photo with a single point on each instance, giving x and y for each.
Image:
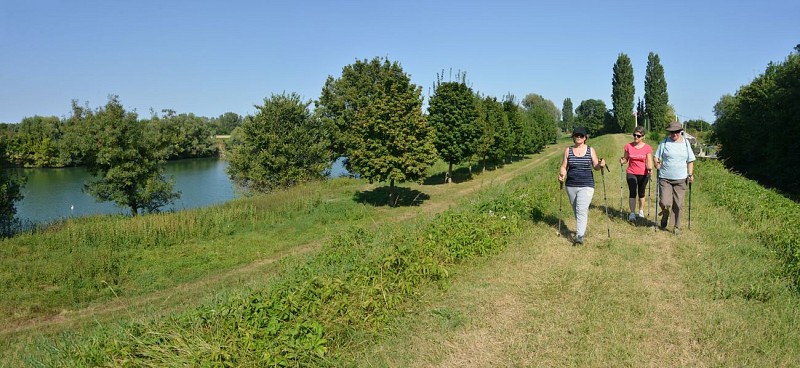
(562, 171)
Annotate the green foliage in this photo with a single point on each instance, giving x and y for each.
(622, 92)
(693, 126)
(502, 139)
(758, 127)
(125, 156)
(774, 218)
(375, 115)
(568, 115)
(590, 114)
(226, 123)
(357, 283)
(281, 146)
(656, 97)
(516, 120)
(10, 193)
(452, 113)
(184, 135)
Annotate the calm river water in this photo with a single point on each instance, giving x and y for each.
(51, 194)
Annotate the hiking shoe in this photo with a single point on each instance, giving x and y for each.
(632, 217)
(579, 239)
(677, 231)
(641, 214)
(664, 218)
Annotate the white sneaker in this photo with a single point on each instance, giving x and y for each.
(641, 213)
(632, 217)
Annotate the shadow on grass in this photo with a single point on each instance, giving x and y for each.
(380, 197)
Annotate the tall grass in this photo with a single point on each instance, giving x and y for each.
(79, 261)
(774, 218)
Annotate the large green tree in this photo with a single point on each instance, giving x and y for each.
(656, 98)
(125, 157)
(281, 146)
(184, 135)
(622, 94)
(452, 113)
(503, 140)
(641, 118)
(567, 115)
(590, 114)
(375, 115)
(516, 121)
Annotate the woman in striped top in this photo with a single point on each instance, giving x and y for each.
(576, 173)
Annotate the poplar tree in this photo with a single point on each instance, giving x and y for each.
(375, 115)
(567, 115)
(622, 94)
(656, 98)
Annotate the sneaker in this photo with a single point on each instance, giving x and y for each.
(579, 239)
(677, 231)
(641, 214)
(632, 217)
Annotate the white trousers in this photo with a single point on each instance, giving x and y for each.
(580, 198)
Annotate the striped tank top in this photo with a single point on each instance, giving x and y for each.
(579, 169)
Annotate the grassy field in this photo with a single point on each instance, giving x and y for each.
(411, 286)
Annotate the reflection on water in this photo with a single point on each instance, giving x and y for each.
(51, 194)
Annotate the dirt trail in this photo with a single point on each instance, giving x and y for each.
(442, 197)
(545, 302)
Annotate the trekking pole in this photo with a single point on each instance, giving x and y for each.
(690, 205)
(602, 173)
(655, 206)
(649, 184)
(560, 205)
(621, 210)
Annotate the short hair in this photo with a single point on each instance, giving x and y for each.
(639, 129)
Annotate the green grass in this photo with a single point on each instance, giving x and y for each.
(487, 282)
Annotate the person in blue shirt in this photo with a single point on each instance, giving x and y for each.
(674, 160)
(576, 172)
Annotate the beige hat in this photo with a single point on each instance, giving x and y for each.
(674, 127)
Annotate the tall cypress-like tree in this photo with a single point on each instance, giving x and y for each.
(640, 114)
(375, 116)
(622, 94)
(567, 115)
(656, 98)
(452, 113)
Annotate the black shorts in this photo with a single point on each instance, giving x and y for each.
(636, 183)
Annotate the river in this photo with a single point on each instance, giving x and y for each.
(52, 194)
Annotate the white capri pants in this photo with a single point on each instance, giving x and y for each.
(580, 198)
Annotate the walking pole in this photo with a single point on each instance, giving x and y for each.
(690, 205)
(649, 184)
(602, 173)
(621, 210)
(560, 205)
(655, 207)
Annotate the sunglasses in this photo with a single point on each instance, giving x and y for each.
(578, 136)
(638, 135)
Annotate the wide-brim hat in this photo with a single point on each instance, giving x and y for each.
(579, 131)
(674, 127)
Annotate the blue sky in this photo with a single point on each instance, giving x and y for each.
(211, 57)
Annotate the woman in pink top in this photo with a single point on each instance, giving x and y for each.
(639, 156)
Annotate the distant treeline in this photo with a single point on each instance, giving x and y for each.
(758, 127)
(49, 141)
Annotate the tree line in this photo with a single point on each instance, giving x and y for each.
(49, 141)
(373, 116)
(756, 127)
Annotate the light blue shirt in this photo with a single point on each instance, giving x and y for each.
(674, 157)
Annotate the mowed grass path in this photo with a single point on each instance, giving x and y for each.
(712, 296)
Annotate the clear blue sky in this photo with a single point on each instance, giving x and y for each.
(210, 57)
